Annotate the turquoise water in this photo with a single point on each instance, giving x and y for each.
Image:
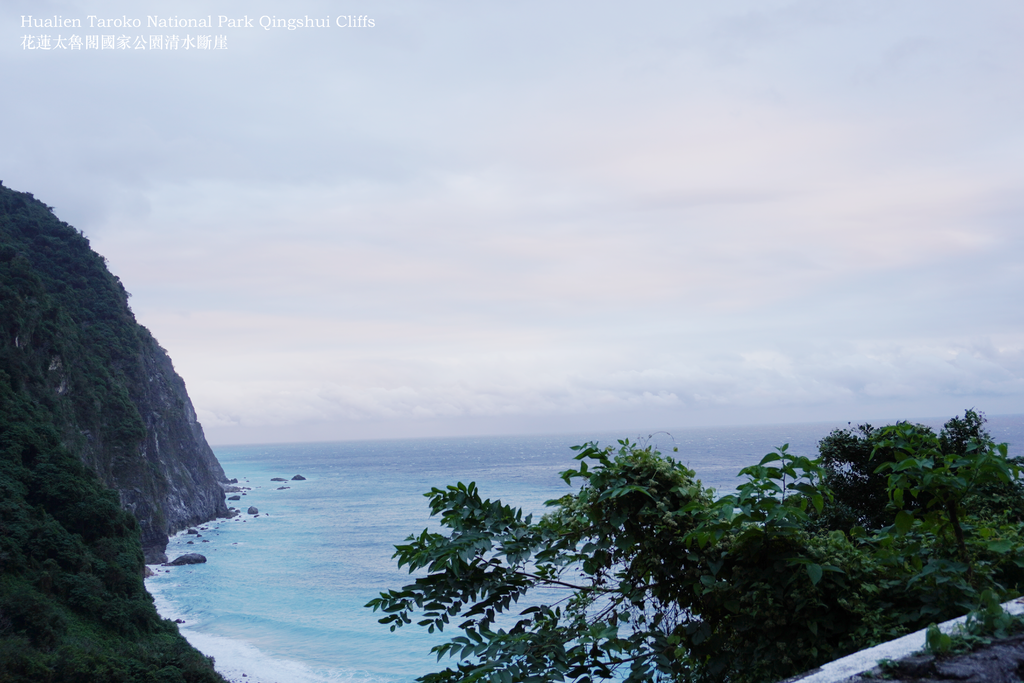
(281, 598)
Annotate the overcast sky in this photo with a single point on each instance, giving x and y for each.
(506, 217)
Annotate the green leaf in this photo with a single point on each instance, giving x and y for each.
(1002, 546)
(904, 522)
(814, 571)
(937, 642)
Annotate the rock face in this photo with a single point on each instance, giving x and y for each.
(72, 343)
(1001, 661)
(172, 479)
(175, 482)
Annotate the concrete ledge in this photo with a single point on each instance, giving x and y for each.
(843, 669)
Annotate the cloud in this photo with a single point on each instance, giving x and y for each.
(547, 214)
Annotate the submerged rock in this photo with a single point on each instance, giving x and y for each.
(278, 479)
(281, 488)
(188, 558)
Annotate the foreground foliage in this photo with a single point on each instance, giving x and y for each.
(643, 574)
(989, 621)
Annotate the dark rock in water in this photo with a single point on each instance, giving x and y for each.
(234, 498)
(233, 481)
(193, 532)
(281, 488)
(253, 510)
(147, 572)
(278, 479)
(298, 477)
(232, 489)
(189, 558)
(190, 543)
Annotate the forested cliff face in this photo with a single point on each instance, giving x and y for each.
(98, 442)
(70, 342)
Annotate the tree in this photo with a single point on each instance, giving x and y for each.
(853, 460)
(859, 492)
(643, 574)
(605, 545)
(942, 472)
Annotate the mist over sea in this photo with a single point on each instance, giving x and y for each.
(281, 597)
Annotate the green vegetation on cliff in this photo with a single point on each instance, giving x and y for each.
(642, 574)
(72, 602)
(69, 341)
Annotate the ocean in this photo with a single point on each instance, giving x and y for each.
(280, 599)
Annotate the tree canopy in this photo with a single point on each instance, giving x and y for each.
(642, 573)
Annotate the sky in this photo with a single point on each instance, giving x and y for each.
(527, 217)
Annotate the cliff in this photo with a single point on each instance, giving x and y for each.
(100, 453)
(71, 342)
(187, 487)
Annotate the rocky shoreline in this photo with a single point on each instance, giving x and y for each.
(207, 533)
(233, 513)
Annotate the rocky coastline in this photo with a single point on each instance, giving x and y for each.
(252, 512)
